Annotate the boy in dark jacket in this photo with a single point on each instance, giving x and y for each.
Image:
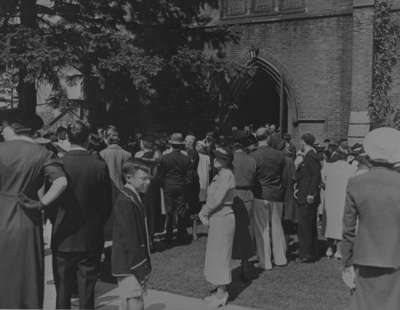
(130, 254)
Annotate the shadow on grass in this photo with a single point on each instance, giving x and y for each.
(238, 285)
(293, 250)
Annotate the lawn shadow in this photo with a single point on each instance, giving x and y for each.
(238, 286)
(292, 252)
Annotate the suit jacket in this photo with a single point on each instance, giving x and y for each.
(244, 170)
(85, 206)
(115, 156)
(130, 252)
(372, 199)
(269, 170)
(175, 169)
(308, 178)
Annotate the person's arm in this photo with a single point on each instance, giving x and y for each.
(349, 230)
(313, 167)
(54, 173)
(349, 234)
(217, 195)
(129, 238)
(57, 187)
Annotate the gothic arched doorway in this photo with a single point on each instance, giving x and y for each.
(263, 96)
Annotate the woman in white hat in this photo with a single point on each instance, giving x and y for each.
(218, 214)
(371, 230)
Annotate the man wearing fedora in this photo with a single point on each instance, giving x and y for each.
(174, 173)
(371, 230)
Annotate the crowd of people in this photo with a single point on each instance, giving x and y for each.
(264, 203)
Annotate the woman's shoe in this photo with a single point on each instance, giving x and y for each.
(329, 252)
(215, 302)
(338, 254)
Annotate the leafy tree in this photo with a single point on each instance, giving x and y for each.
(128, 53)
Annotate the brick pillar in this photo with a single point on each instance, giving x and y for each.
(362, 62)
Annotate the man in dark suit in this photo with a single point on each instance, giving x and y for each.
(174, 172)
(77, 237)
(268, 203)
(307, 194)
(371, 227)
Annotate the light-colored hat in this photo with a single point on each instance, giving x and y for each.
(382, 144)
(176, 139)
(262, 133)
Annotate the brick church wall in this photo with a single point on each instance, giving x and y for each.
(317, 55)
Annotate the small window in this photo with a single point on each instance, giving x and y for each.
(293, 5)
(265, 6)
(234, 7)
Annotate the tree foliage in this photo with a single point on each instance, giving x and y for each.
(386, 38)
(128, 53)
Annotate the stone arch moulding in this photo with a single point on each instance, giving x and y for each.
(282, 83)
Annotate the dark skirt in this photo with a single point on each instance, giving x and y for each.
(242, 244)
(376, 288)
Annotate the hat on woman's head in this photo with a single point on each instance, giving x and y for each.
(223, 153)
(176, 139)
(21, 122)
(382, 144)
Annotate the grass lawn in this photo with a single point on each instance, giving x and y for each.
(295, 287)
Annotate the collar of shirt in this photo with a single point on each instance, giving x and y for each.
(134, 190)
(113, 146)
(77, 148)
(22, 138)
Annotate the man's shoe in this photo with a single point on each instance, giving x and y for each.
(303, 260)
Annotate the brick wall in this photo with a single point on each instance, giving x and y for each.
(316, 54)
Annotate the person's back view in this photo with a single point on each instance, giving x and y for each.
(114, 156)
(77, 238)
(371, 230)
(268, 203)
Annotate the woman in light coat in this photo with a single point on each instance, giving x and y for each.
(218, 214)
(335, 176)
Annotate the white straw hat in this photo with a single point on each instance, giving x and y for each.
(383, 144)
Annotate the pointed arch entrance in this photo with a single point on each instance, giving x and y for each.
(263, 95)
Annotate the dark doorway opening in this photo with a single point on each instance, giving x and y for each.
(260, 102)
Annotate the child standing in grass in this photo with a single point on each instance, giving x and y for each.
(130, 253)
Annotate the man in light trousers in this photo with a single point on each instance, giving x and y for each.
(268, 205)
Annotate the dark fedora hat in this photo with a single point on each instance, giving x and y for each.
(176, 139)
(21, 121)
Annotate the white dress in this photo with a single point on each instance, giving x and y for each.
(218, 209)
(336, 176)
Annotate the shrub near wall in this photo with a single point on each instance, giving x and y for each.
(382, 111)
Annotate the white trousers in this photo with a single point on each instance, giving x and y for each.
(267, 219)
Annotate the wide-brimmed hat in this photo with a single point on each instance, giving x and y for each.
(223, 153)
(176, 139)
(382, 145)
(21, 121)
